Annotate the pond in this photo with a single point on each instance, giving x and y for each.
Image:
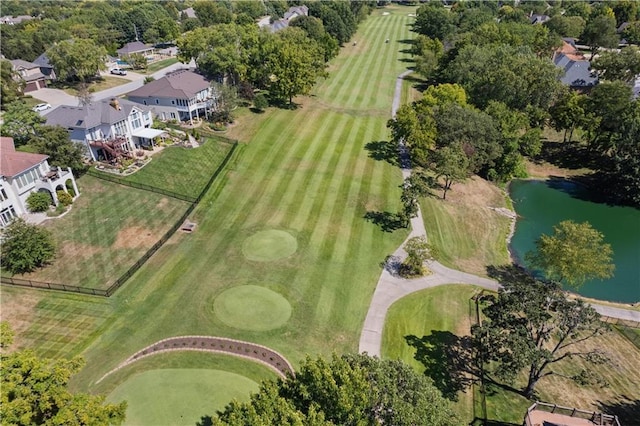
(542, 204)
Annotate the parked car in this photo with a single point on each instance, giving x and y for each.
(118, 71)
(41, 107)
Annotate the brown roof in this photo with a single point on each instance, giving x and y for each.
(181, 84)
(571, 52)
(13, 162)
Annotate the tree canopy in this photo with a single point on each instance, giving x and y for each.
(347, 389)
(573, 254)
(26, 247)
(80, 58)
(531, 326)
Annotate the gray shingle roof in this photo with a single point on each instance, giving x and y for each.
(19, 63)
(576, 73)
(181, 84)
(133, 47)
(89, 116)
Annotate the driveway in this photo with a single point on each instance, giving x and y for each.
(57, 97)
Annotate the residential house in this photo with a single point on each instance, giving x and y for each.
(45, 66)
(30, 73)
(180, 95)
(577, 70)
(289, 15)
(109, 129)
(11, 20)
(537, 19)
(22, 173)
(135, 47)
(189, 13)
(542, 414)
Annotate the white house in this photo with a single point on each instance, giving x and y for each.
(109, 129)
(22, 173)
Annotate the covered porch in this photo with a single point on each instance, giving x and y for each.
(144, 138)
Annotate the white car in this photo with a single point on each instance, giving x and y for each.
(118, 71)
(41, 107)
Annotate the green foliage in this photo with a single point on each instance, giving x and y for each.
(55, 142)
(351, 389)
(212, 12)
(418, 252)
(137, 61)
(11, 88)
(226, 101)
(568, 113)
(20, 122)
(26, 247)
(435, 21)
(600, 31)
(6, 335)
(632, 32)
(64, 198)
(315, 31)
(451, 163)
(611, 106)
(260, 102)
(79, 58)
(574, 254)
(566, 26)
(532, 325)
(34, 392)
(38, 201)
(623, 65)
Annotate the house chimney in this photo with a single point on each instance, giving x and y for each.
(115, 104)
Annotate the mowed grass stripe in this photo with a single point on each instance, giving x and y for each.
(304, 178)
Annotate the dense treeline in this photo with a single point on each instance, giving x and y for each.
(507, 89)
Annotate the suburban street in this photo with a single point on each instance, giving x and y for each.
(57, 97)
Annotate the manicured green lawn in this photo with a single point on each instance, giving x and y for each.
(109, 227)
(179, 396)
(157, 66)
(103, 83)
(304, 171)
(419, 327)
(185, 171)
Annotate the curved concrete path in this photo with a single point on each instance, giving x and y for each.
(223, 345)
(392, 287)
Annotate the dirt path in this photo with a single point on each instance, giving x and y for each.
(392, 287)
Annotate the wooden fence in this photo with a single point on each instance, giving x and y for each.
(134, 268)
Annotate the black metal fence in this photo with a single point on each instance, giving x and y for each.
(134, 268)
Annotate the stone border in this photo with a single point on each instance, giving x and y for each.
(238, 348)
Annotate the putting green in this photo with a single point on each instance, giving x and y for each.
(250, 307)
(265, 246)
(179, 396)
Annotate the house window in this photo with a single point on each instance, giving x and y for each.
(173, 115)
(135, 119)
(7, 215)
(27, 178)
(144, 102)
(3, 195)
(173, 102)
(157, 101)
(120, 128)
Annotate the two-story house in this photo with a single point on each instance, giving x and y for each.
(31, 74)
(181, 95)
(22, 173)
(577, 70)
(109, 129)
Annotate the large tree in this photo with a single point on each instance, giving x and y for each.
(294, 65)
(54, 141)
(623, 65)
(351, 389)
(79, 58)
(434, 21)
(26, 247)
(600, 31)
(20, 122)
(12, 85)
(573, 254)
(450, 163)
(34, 392)
(531, 326)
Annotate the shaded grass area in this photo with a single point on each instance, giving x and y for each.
(157, 66)
(437, 320)
(183, 170)
(421, 327)
(109, 227)
(466, 232)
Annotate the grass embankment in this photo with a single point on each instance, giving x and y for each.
(109, 227)
(157, 66)
(466, 230)
(304, 171)
(440, 316)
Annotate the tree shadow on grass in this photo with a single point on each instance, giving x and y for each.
(627, 408)
(509, 273)
(449, 360)
(205, 421)
(387, 221)
(384, 151)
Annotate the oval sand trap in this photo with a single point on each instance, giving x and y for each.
(251, 307)
(266, 246)
(179, 396)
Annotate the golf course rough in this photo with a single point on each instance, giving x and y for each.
(179, 396)
(269, 245)
(253, 308)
